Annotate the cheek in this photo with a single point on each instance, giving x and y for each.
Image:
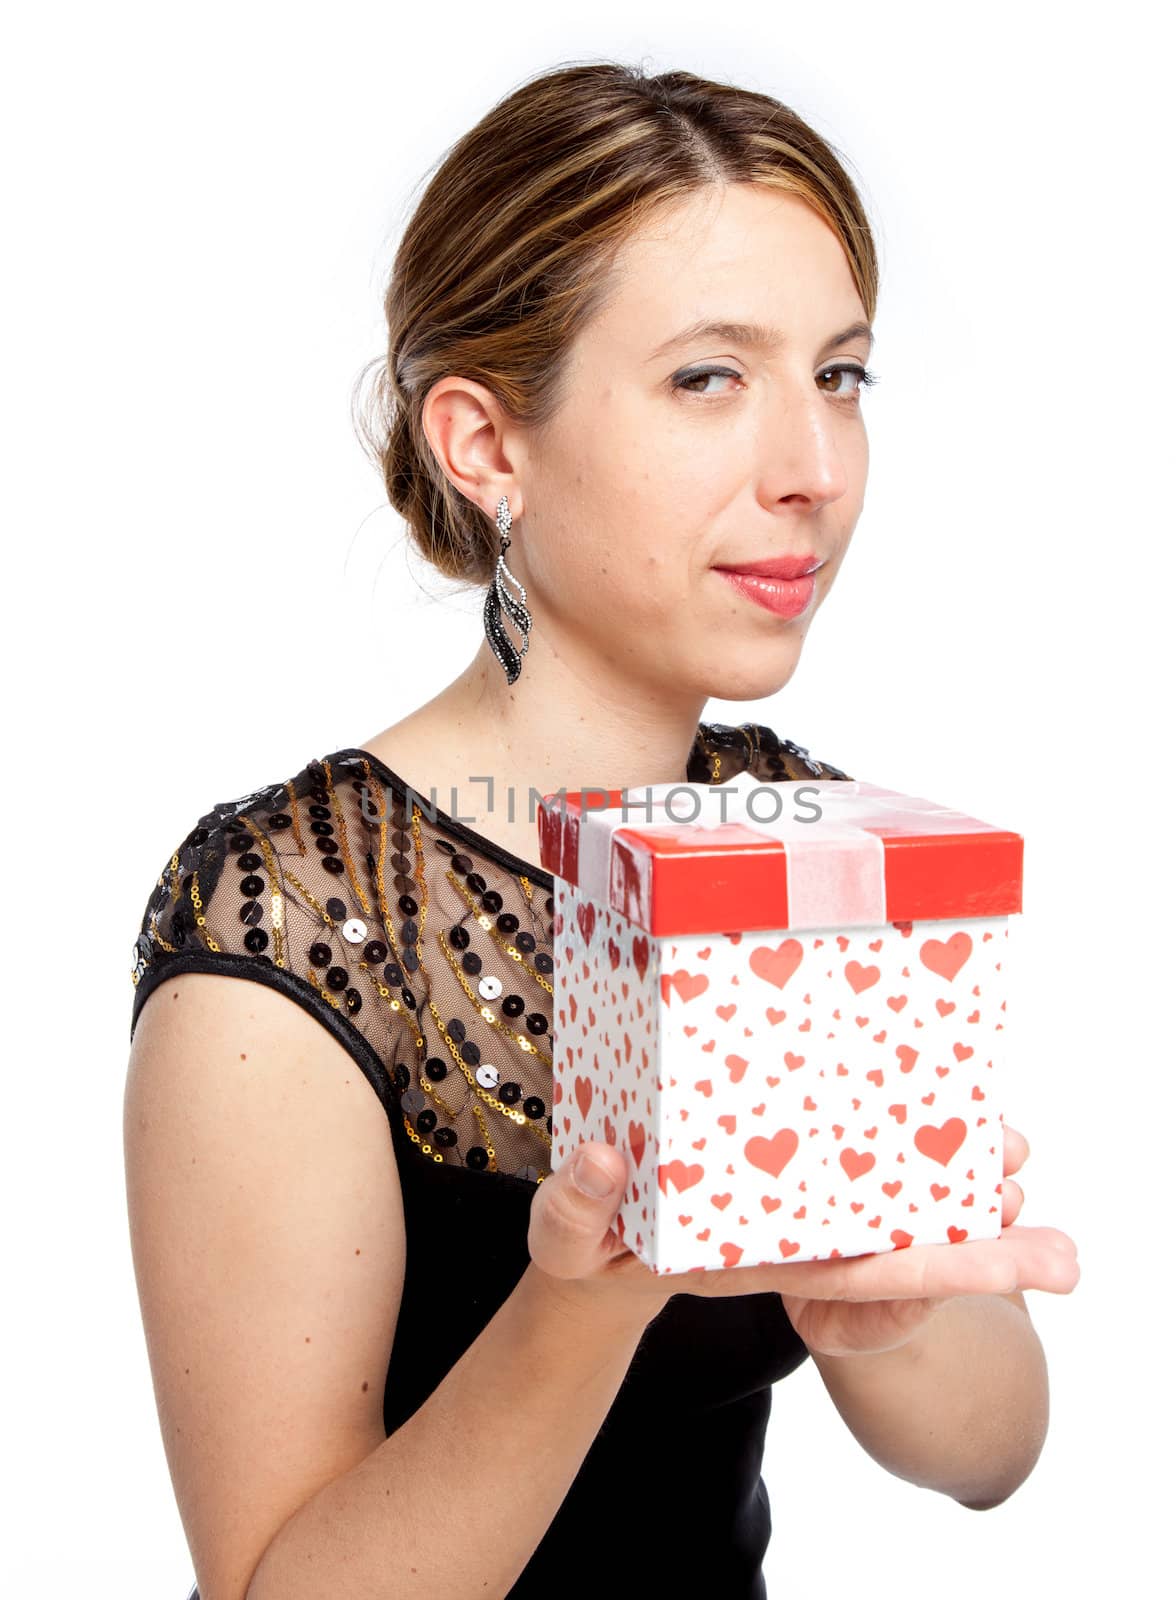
(624, 542)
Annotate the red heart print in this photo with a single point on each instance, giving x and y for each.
(731, 1254)
(584, 1095)
(688, 985)
(946, 956)
(772, 1155)
(737, 1066)
(856, 1163)
(614, 953)
(777, 966)
(640, 954)
(861, 977)
(637, 1140)
(586, 917)
(679, 1174)
(940, 1144)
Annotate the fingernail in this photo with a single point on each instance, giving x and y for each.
(590, 1177)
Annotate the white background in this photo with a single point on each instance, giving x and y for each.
(206, 588)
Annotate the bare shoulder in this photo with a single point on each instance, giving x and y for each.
(267, 1232)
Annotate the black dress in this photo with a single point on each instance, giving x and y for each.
(363, 906)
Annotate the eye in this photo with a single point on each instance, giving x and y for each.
(863, 375)
(685, 380)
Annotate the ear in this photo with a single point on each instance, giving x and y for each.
(476, 444)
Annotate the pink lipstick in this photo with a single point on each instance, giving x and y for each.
(782, 584)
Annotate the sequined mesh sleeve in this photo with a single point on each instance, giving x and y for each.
(721, 750)
(422, 946)
(284, 887)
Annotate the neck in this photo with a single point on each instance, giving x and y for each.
(558, 727)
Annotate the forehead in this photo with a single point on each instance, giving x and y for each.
(736, 252)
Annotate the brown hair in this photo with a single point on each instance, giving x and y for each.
(507, 253)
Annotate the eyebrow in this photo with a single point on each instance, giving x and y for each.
(756, 334)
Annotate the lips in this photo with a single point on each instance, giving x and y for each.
(785, 567)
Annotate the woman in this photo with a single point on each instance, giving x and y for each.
(628, 326)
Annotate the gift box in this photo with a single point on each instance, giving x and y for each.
(785, 1003)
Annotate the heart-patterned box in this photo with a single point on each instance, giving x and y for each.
(785, 1002)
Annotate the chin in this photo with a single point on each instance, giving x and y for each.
(758, 677)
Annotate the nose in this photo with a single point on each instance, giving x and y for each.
(802, 446)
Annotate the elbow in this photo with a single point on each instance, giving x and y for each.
(982, 1505)
(990, 1503)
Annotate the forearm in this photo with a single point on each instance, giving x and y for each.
(455, 1501)
(962, 1407)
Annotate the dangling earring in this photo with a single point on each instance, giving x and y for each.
(499, 598)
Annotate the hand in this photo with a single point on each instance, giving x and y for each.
(1038, 1258)
(846, 1305)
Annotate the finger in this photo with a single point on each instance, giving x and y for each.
(570, 1235)
(1053, 1237)
(1022, 1258)
(1011, 1200)
(1016, 1149)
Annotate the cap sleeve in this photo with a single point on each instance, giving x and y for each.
(773, 758)
(276, 888)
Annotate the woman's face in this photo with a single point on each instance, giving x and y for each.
(667, 461)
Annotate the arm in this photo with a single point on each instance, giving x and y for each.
(456, 1500)
(962, 1407)
(269, 1250)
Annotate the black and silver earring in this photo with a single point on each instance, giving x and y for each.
(500, 599)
